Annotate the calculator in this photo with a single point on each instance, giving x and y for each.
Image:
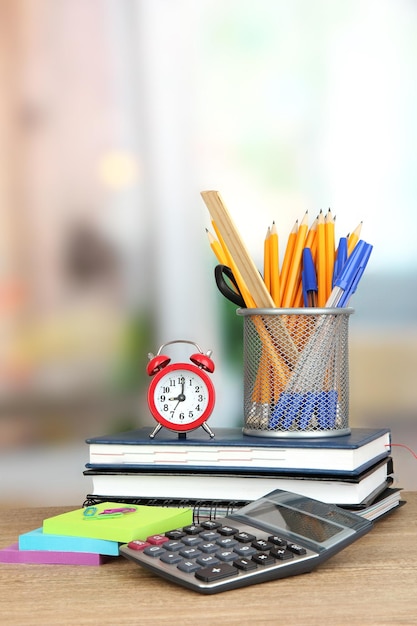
(281, 534)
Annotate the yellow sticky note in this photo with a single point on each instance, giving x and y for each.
(145, 521)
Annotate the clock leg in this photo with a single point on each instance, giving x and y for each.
(207, 429)
(155, 430)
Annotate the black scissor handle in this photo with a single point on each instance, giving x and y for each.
(234, 295)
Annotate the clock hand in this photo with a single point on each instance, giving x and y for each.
(181, 396)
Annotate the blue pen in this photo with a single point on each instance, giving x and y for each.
(309, 279)
(360, 270)
(341, 259)
(307, 409)
(350, 275)
(295, 401)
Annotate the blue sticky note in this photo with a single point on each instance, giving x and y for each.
(38, 540)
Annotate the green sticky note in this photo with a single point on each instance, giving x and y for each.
(145, 521)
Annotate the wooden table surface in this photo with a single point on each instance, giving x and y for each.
(373, 581)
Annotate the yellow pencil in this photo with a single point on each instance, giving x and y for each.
(217, 248)
(321, 261)
(330, 250)
(274, 265)
(267, 260)
(286, 263)
(311, 242)
(353, 238)
(295, 265)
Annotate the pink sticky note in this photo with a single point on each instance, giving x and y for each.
(12, 554)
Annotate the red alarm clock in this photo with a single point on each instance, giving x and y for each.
(181, 396)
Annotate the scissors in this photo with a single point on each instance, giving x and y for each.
(221, 274)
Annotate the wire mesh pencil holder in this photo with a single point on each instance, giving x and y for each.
(296, 372)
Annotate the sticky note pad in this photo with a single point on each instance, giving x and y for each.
(38, 540)
(12, 554)
(145, 521)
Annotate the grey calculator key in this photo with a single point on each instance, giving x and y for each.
(192, 540)
(173, 546)
(226, 542)
(171, 557)
(188, 566)
(154, 551)
(190, 553)
(226, 555)
(245, 550)
(207, 559)
(208, 547)
(209, 535)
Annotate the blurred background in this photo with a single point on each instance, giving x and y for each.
(114, 115)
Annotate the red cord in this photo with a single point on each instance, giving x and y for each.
(402, 445)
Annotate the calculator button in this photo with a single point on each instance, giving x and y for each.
(263, 558)
(154, 551)
(227, 530)
(138, 544)
(190, 553)
(261, 544)
(245, 564)
(191, 540)
(209, 535)
(226, 555)
(175, 534)
(282, 554)
(157, 540)
(173, 546)
(294, 547)
(245, 537)
(277, 541)
(226, 542)
(210, 524)
(192, 529)
(188, 566)
(208, 547)
(216, 572)
(245, 550)
(207, 559)
(170, 557)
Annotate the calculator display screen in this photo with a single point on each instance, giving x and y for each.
(294, 521)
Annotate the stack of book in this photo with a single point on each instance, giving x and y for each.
(354, 471)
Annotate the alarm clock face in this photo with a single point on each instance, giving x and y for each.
(181, 397)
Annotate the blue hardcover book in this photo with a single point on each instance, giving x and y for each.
(232, 449)
(182, 485)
